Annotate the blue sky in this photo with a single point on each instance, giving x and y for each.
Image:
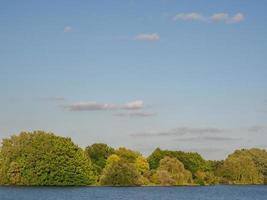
(178, 74)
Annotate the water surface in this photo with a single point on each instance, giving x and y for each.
(135, 193)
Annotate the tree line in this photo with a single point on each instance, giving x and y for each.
(44, 159)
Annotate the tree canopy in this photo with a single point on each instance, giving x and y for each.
(244, 167)
(192, 161)
(120, 173)
(41, 158)
(98, 153)
(172, 172)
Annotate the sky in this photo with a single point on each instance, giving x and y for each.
(176, 74)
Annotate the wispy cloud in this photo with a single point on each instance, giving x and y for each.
(67, 29)
(256, 128)
(94, 106)
(56, 98)
(189, 17)
(135, 114)
(147, 37)
(180, 131)
(214, 18)
(208, 138)
(205, 150)
(236, 18)
(219, 17)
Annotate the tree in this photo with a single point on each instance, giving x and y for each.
(192, 161)
(155, 158)
(40, 158)
(98, 153)
(200, 177)
(112, 159)
(163, 178)
(142, 165)
(239, 168)
(172, 172)
(127, 154)
(120, 173)
(259, 157)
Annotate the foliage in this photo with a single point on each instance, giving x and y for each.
(120, 173)
(172, 172)
(192, 161)
(259, 157)
(142, 165)
(127, 154)
(155, 158)
(112, 159)
(41, 158)
(98, 153)
(240, 168)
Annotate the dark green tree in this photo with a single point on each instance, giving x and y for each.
(192, 161)
(98, 153)
(155, 158)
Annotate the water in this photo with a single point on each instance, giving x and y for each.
(135, 193)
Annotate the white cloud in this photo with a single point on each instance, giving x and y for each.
(94, 106)
(148, 37)
(67, 29)
(90, 106)
(189, 17)
(214, 18)
(182, 131)
(133, 105)
(220, 17)
(236, 19)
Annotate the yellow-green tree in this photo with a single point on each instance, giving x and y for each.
(240, 169)
(127, 155)
(142, 165)
(259, 157)
(120, 173)
(172, 172)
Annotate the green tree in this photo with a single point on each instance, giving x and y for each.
(192, 161)
(98, 153)
(155, 158)
(40, 158)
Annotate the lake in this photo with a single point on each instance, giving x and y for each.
(135, 193)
